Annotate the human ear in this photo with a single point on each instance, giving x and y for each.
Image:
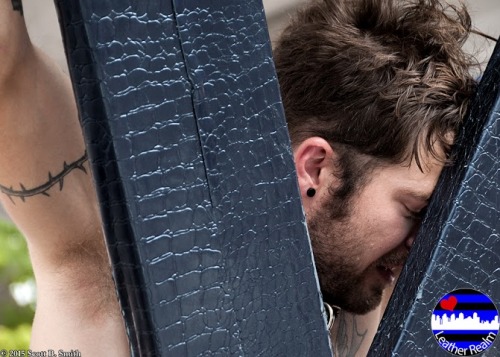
(313, 161)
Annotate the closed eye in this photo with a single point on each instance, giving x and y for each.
(417, 215)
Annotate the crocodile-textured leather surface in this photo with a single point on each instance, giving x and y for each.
(192, 162)
(458, 244)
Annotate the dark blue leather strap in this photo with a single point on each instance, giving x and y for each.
(192, 162)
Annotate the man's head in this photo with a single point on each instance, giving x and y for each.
(374, 92)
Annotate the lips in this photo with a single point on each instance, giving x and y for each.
(390, 270)
(387, 273)
(390, 265)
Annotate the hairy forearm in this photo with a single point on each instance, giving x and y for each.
(46, 188)
(45, 182)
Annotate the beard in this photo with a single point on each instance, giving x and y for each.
(337, 242)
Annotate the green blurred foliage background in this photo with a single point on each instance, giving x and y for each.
(15, 269)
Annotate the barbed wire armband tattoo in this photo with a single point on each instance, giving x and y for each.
(17, 5)
(43, 189)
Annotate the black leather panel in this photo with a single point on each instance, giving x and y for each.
(457, 246)
(191, 157)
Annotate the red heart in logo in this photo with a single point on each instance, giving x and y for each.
(449, 304)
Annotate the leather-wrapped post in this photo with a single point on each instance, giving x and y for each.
(191, 158)
(457, 246)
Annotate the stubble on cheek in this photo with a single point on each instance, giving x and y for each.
(336, 260)
(339, 256)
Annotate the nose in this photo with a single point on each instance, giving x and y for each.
(409, 241)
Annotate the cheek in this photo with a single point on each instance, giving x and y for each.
(387, 229)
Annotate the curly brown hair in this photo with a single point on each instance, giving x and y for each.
(384, 78)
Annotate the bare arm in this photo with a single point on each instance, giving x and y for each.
(46, 188)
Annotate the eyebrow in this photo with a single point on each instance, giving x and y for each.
(418, 195)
